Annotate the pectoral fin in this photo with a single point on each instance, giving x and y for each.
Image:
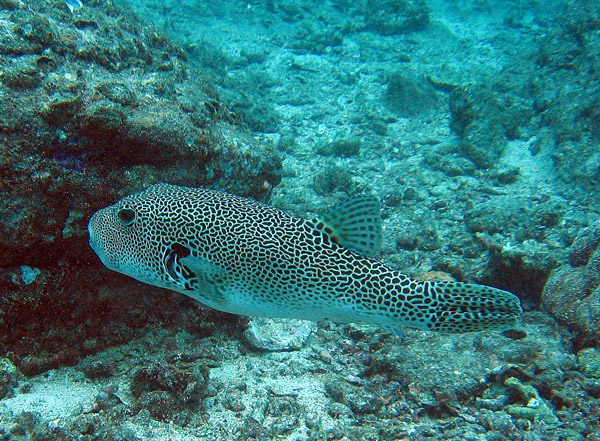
(209, 283)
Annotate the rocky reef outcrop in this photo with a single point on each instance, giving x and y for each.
(95, 104)
(572, 294)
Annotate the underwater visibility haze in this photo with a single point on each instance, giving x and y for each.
(384, 216)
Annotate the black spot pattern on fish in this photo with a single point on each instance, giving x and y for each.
(285, 265)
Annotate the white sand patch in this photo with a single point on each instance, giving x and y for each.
(55, 395)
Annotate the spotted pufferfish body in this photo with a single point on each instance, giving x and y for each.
(244, 257)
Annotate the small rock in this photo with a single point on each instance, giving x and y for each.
(389, 17)
(534, 407)
(169, 393)
(365, 405)
(94, 369)
(118, 93)
(336, 391)
(22, 76)
(584, 244)
(9, 378)
(29, 274)
(337, 410)
(38, 30)
(342, 147)
(589, 361)
(312, 420)
(409, 96)
(276, 335)
(61, 108)
(285, 424)
(325, 356)
(234, 404)
(104, 119)
(505, 175)
(572, 296)
(334, 179)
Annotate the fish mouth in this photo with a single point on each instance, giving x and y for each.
(92, 236)
(94, 242)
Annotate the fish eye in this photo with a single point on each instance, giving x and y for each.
(126, 216)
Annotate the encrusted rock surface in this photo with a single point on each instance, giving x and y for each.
(572, 294)
(94, 105)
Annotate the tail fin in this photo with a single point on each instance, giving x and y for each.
(456, 307)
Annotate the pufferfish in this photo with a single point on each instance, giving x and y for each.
(241, 256)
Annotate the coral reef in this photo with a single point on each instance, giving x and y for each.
(476, 124)
(566, 91)
(351, 378)
(93, 107)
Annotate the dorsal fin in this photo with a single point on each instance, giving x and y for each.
(354, 223)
